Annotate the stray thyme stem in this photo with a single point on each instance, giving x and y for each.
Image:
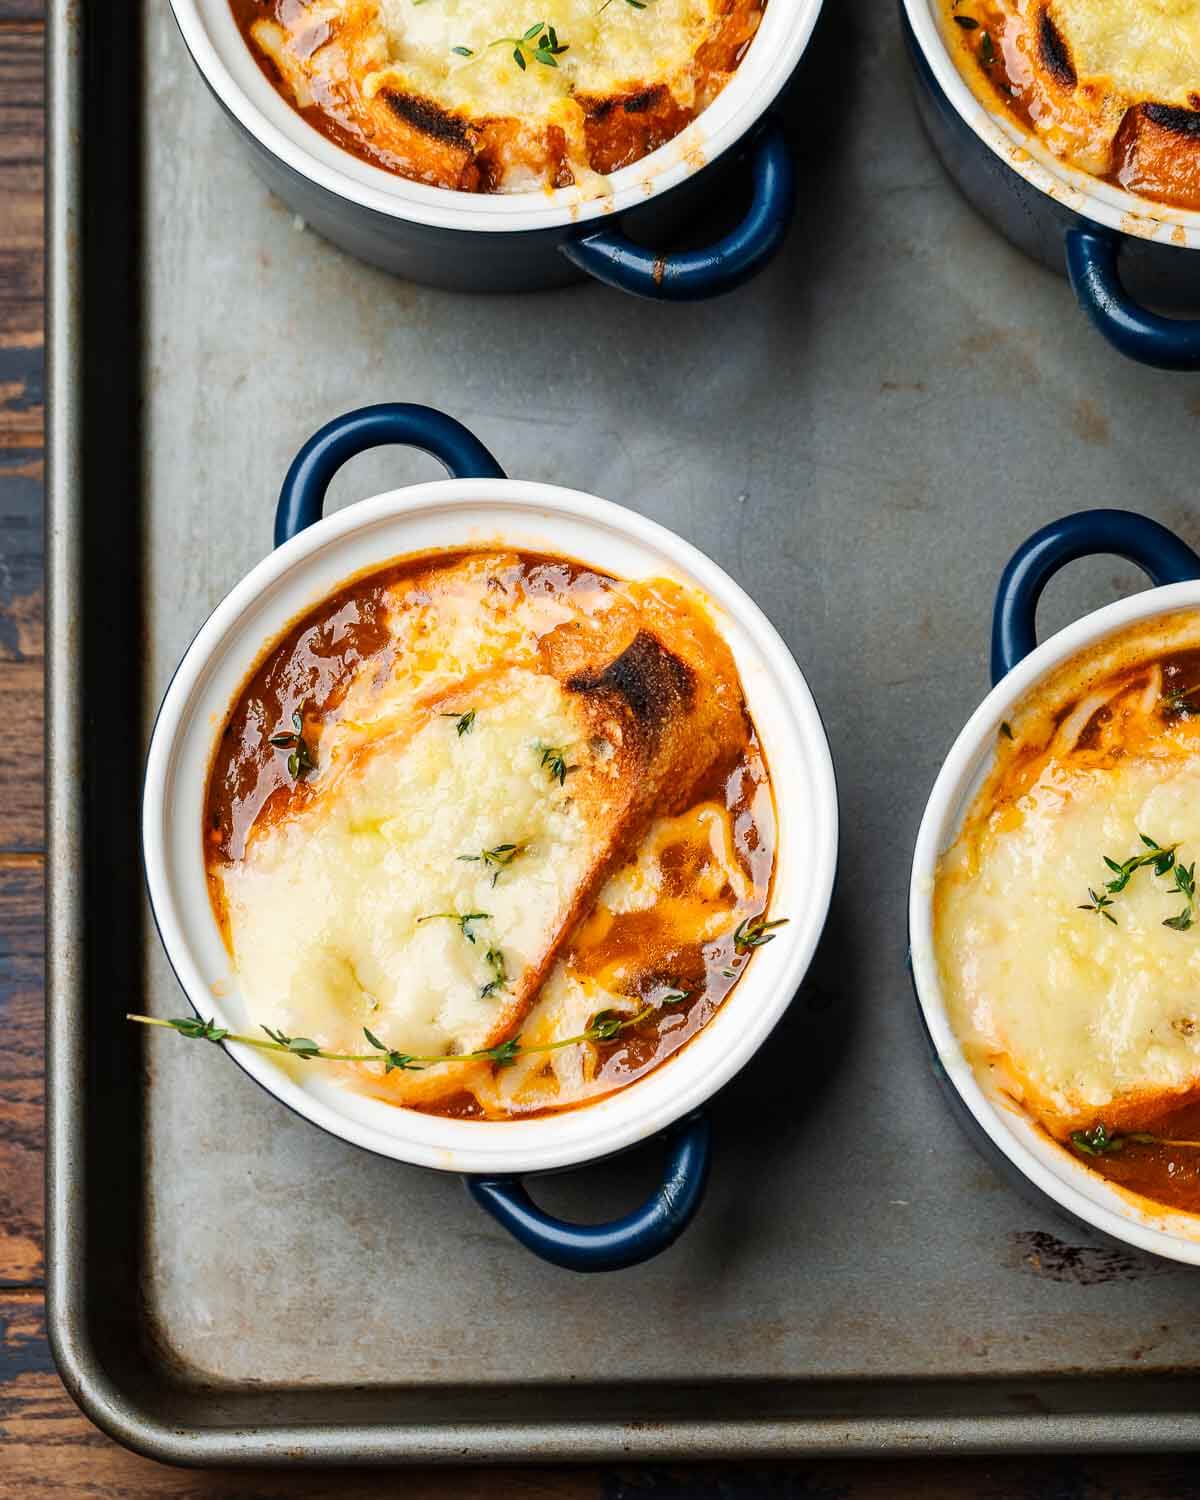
(605, 1026)
(464, 920)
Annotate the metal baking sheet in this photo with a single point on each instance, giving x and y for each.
(860, 437)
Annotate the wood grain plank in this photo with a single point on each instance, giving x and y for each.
(21, 639)
(21, 429)
(21, 952)
(21, 176)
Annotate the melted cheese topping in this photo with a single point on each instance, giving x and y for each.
(341, 903)
(475, 96)
(1140, 49)
(612, 50)
(1081, 1017)
(1112, 86)
(325, 910)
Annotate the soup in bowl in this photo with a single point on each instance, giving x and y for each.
(1054, 917)
(462, 835)
(478, 100)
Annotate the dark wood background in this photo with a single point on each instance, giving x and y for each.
(46, 1445)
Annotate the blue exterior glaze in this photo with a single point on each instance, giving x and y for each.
(644, 1233)
(1169, 343)
(670, 1208)
(688, 276)
(1153, 271)
(1121, 533)
(538, 259)
(302, 498)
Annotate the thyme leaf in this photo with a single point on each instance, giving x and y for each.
(754, 932)
(538, 42)
(199, 1030)
(299, 1046)
(1154, 854)
(496, 859)
(1099, 904)
(403, 1061)
(504, 1053)
(300, 762)
(465, 721)
(1185, 886)
(494, 959)
(987, 49)
(554, 759)
(1099, 1142)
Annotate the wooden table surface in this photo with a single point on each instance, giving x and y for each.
(46, 1445)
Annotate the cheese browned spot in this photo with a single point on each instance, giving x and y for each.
(1112, 86)
(535, 796)
(433, 90)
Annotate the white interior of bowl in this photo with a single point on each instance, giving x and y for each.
(1027, 155)
(512, 514)
(1049, 1167)
(215, 42)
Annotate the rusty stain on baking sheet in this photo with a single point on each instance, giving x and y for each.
(1051, 1259)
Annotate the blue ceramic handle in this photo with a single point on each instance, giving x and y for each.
(691, 275)
(1118, 533)
(302, 498)
(1167, 343)
(624, 1242)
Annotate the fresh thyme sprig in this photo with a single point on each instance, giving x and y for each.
(1154, 854)
(300, 762)
(539, 42)
(465, 721)
(1099, 903)
(754, 932)
(464, 920)
(497, 859)
(1162, 860)
(554, 759)
(605, 1026)
(1099, 1142)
